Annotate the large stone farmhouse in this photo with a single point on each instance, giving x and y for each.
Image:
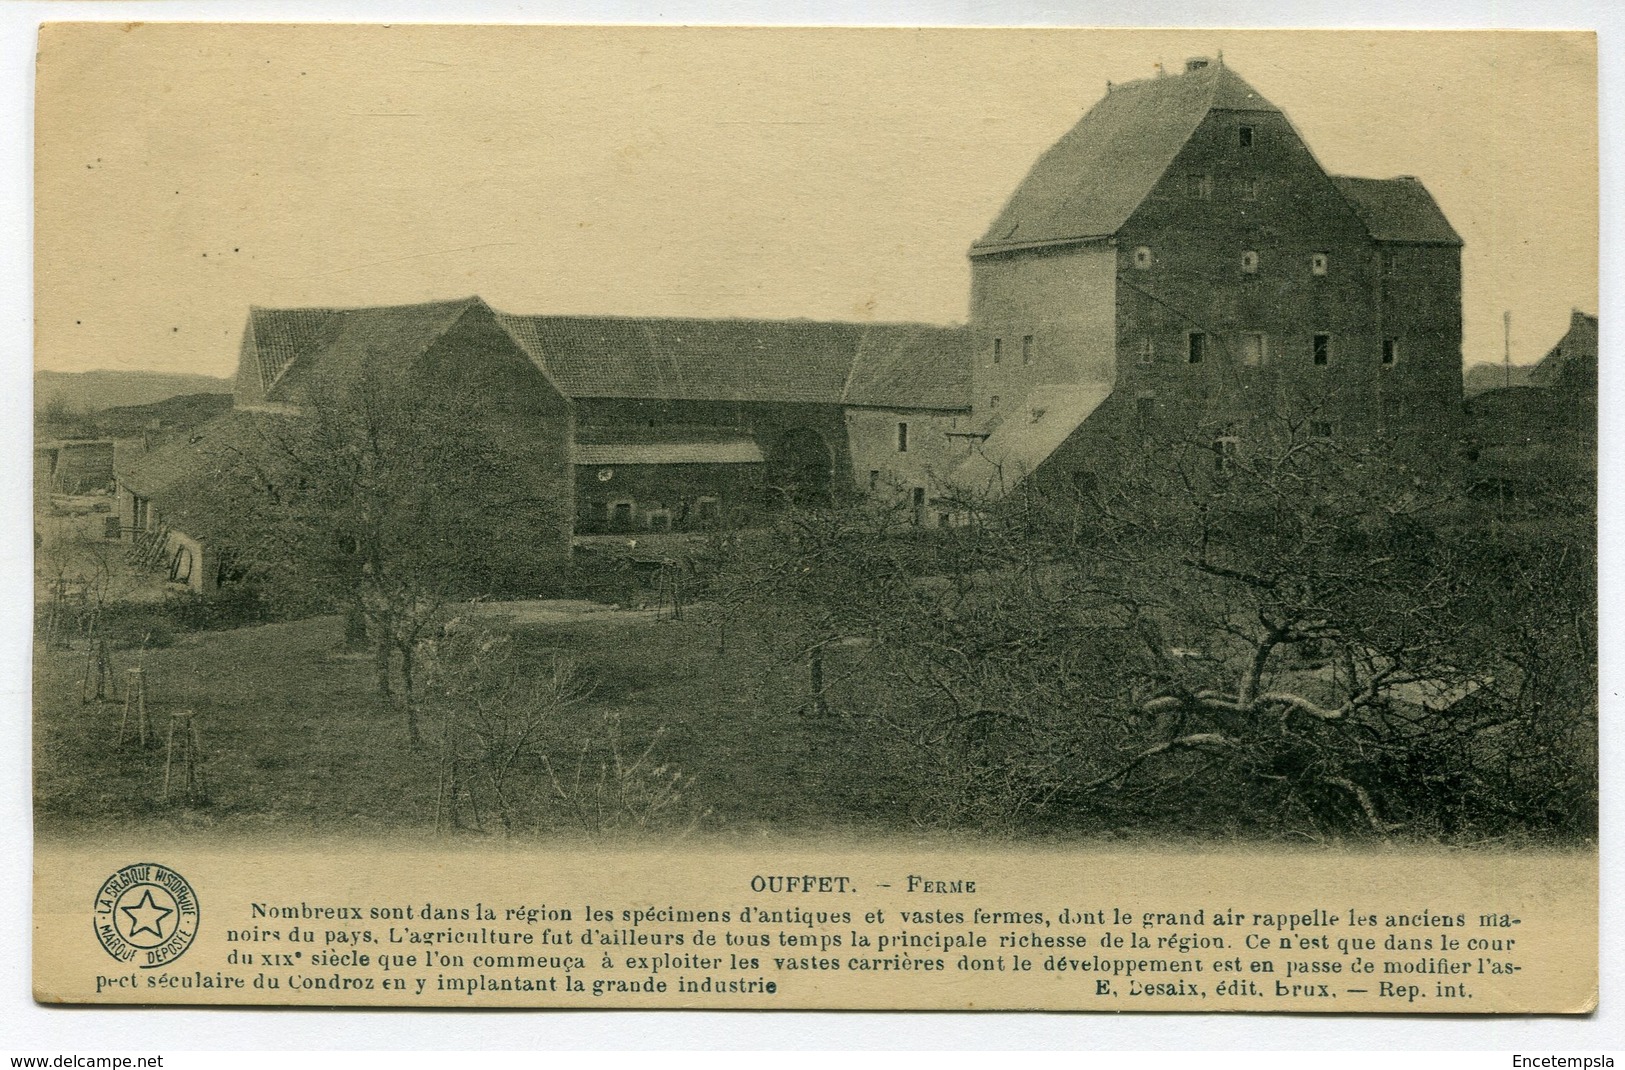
(1178, 260)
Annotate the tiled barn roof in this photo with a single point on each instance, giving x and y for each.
(690, 359)
(1397, 210)
(888, 365)
(911, 366)
(1089, 183)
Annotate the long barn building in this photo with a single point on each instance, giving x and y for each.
(1178, 259)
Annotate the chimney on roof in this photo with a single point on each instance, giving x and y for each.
(1196, 63)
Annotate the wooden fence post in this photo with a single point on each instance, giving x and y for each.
(98, 667)
(181, 758)
(135, 702)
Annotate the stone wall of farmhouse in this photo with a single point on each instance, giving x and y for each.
(522, 495)
(1421, 311)
(617, 499)
(906, 454)
(1247, 284)
(1039, 317)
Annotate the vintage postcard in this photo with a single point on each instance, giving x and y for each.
(816, 518)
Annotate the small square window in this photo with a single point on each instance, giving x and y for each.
(1244, 137)
(1254, 349)
(1390, 262)
(1322, 349)
(1249, 188)
(1026, 349)
(902, 437)
(1225, 449)
(1199, 187)
(874, 479)
(1390, 350)
(998, 350)
(1198, 347)
(1320, 428)
(1148, 350)
(1142, 258)
(1249, 263)
(1317, 263)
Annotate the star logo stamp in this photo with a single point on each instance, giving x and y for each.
(146, 914)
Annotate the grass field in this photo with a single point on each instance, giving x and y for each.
(295, 740)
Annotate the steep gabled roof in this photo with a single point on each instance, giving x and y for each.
(1090, 182)
(281, 343)
(1397, 210)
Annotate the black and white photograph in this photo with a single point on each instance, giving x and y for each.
(1072, 519)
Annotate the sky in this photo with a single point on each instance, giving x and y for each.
(187, 172)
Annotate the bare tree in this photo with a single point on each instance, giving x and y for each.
(1279, 633)
(376, 498)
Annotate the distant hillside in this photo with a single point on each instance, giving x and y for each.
(152, 422)
(90, 391)
(1486, 376)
